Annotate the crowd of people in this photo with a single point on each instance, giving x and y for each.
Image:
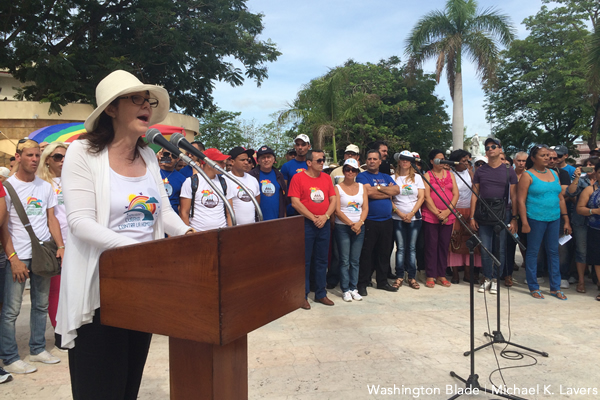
(109, 189)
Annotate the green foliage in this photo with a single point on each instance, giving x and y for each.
(62, 49)
(543, 94)
(374, 103)
(448, 35)
(221, 130)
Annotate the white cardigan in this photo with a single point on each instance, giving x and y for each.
(86, 191)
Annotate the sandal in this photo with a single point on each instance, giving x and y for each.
(398, 283)
(559, 294)
(537, 294)
(581, 287)
(443, 281)
(415, 285)
(430, 283)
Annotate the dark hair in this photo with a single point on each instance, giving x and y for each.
(532, 153)
(104, 134)
(13, 158)
(378, 144)
(200, 145)
(374, 151)
(309, 154)
(509, 159)
(597, 167)
(592, 160)
(459, 154)
(434, 153)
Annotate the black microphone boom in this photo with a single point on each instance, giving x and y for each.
(180, 141)
(155, 137)
(400, 156)
(439, 161)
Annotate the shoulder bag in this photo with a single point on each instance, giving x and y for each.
(43, 254)
(496, 209)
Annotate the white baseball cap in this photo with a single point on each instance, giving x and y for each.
(302, 137)
(352, 162)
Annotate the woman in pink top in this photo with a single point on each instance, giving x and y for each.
(438, 220)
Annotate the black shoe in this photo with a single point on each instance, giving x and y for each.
(387, 287)
(392, 276)
(370, 284)
(4, 376)
(331, 286)
(362, 291)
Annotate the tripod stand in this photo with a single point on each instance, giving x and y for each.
(497, 337)
(472, 382)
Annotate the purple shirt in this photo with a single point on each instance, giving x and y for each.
(492, 181)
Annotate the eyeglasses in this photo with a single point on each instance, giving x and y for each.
(479, 163)
(349, 169)
(554, 158)
(167, 154)
(57, 157)
(351, 153)
(320, 160)
(492, 147)
(139, 100)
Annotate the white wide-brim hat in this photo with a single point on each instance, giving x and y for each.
(119, 83)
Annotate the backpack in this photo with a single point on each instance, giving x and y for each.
(195, 189)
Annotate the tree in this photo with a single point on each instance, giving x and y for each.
(543, 92)
(221, 130)
(406, 116)
(447, 35)
(323, 106)
(62, 49)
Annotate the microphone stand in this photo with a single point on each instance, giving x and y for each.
(497, 336)
(244, 188)
(472, 385)
(216, 189)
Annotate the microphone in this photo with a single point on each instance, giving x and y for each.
(439, 161)
(178, 140)
(154, 136)
(400, 156)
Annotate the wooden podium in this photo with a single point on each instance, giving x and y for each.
(206, 291)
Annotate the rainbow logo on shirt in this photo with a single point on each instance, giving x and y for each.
(32, 201)
(57, 190)
(354, 206)
(266, 181)
(209, 200)
(143, 204)
(300, 170)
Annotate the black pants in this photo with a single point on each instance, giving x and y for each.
(107, 362)
(376, 252)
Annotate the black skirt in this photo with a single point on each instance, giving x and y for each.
(593, 250)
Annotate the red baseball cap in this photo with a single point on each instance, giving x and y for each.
(215, 155)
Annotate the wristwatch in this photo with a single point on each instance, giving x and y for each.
(379, 187)
(515, 217)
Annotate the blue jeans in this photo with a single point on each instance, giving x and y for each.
(316, 248)
(349, 248)
(406, 235)
(547, 232)
(488, 237)
(13, 297)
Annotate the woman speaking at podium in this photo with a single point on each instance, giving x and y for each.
(114, 196)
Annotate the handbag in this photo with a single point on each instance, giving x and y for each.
(43, 253)
(496, 209)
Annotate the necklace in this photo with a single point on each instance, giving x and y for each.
(542, 172)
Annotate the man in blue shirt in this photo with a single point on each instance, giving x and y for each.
(172, 179)
(188, 171)
(561, 162)
(297, 165)
(273, 194)
(379, 226)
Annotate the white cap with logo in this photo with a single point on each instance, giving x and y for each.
(302, 137)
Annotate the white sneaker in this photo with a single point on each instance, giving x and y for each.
(44, 357)
(541, 280)
(20, 367)
(564, 284)
(347, 296)
(485, 285)
(4, 376)
(494, 287)
(572, 280)
(355, 295)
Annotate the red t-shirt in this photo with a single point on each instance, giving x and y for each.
(314, 193)
(2, 192)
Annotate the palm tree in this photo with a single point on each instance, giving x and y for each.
(323, 105)
(445, 35)
(594, 83)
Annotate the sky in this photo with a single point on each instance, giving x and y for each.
(314, 36)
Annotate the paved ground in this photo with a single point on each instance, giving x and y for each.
(411, 339)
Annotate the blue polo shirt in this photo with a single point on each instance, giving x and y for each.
(379, 210)
(270, 191)
(288, 170)
(173, 181)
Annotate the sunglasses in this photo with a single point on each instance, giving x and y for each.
(320, 160)
(479, 163)
(139, 100)
(542, 146)
(57, 157)
(554, 158)
(492, 147)
(167, 154)
(348, 169)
